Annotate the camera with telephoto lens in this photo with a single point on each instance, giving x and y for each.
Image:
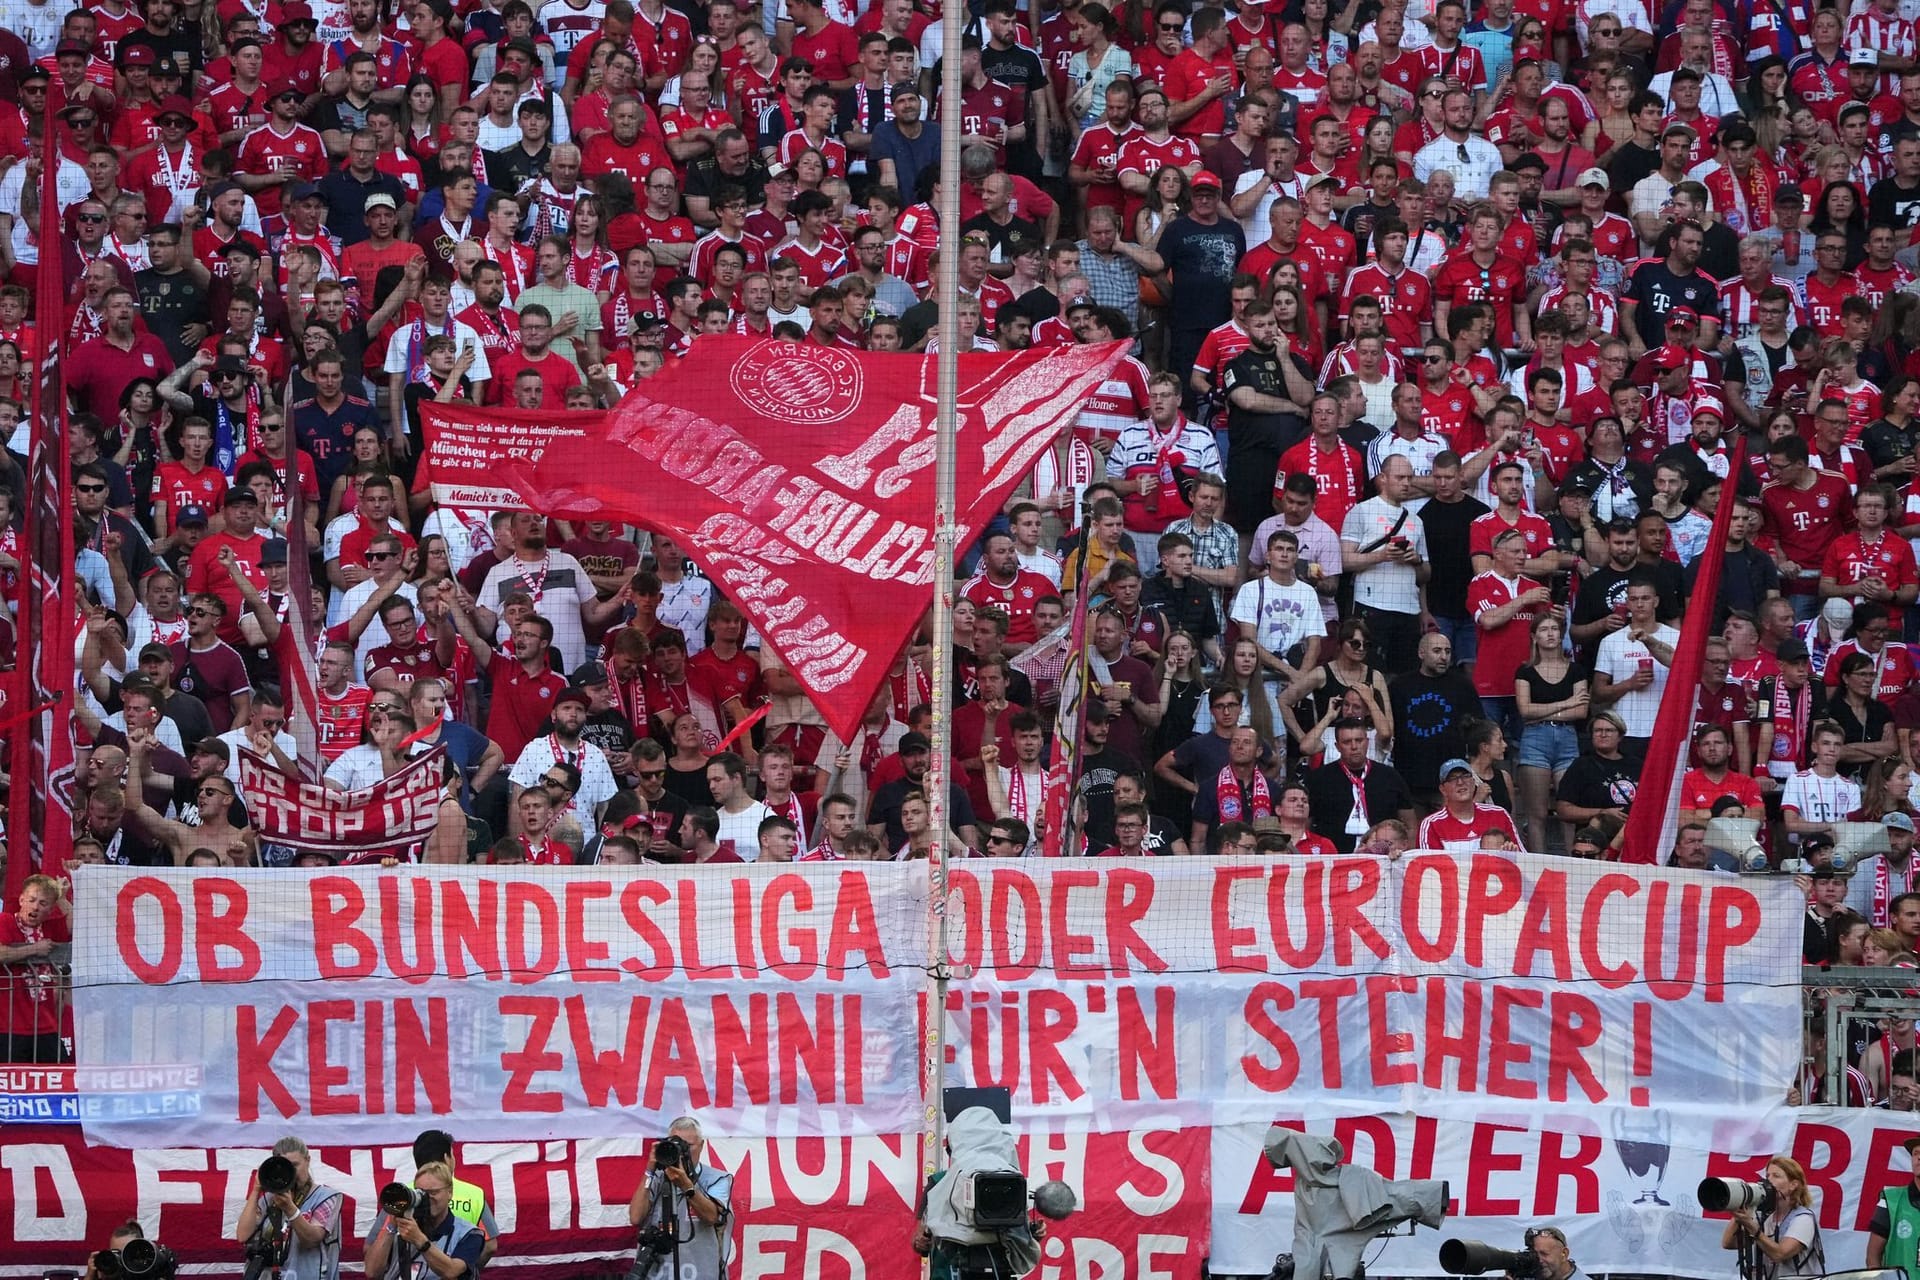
(672, 1152)
(1473, 1258)
(136, 1260)
(1731, 1195)
(267, 1247)
(398, 1200)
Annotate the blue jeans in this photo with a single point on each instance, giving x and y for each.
(1504, 712)
(1463, 634)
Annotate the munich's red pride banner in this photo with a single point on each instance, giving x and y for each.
(800, 479)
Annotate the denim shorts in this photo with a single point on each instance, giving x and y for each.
(1550, 745)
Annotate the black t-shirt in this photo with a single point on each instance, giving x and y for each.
(1747, 576)
(1599, 592)
(512, 168)
(1428, 715)
(1594, 783)
(1019, 67)
(1097, 773)
(182, 45)
(888, 799)
(1878, 717)
(1451, 568)
(1631, 163)
(1889, 202)
(704, 178)
(1886, 444)
(1007, 238)
(169, 302)
(1261, 371)
(1202, 258)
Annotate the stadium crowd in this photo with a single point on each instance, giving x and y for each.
(1447, 324)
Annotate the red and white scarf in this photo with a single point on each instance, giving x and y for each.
(1883, 894)
(1017, 795)
(793, 813)
(1234, 801)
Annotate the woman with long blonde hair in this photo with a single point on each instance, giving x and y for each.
(1788, 1238)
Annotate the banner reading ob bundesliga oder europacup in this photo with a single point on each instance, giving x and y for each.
(1110, 996)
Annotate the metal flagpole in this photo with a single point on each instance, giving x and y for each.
(945, 427)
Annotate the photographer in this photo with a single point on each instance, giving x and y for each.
(431, 1241)
(1788, 1239)
(469, 1203)
(307, 1212)
(128, 1230)
(682, 1211)
(1552, 1259)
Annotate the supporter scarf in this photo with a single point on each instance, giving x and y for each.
(1792, 709)
(561, 755)
(631, 697)
(545, 854)
(1017, 792)
(226, 449)
(1357, 820)
(822, 852)
(793, 813)
(869, 752)
(1234, 802)
(1746, 205)
(417, 336)
(909, 688)
(1883, 888)
(1166, 457)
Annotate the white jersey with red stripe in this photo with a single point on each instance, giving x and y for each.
(1116, 404)
(1603, 309)
(1737, 301)
(1339, 362)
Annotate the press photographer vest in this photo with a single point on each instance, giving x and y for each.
(1903, 1229)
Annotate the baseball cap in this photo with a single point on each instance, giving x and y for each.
(138, 55)
(284, 88)
(1863, 58)
(1529, 160)
(1818, 840)
(1311, 180)
(154, 651)
(913, 743)
(520, 44)
(35, 72)
(644, 321)
(273, 551)
(175, 105)
(1791, 651)
(571, 695)
(1594, 178)
(1671, 357)
(1897, 821)
(241, 494)
(229, 364)
(219, 189)
(589, 673)
(1683, 315)
(1453, 766)
(905, 87)
(1079, 301)
(192, 513)
(302, 190)
(1206, 180)
(778, 170)
(1713, 407)
(71, 46)
(73, 107)
(380, 200)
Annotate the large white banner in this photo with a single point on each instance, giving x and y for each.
(1621, 1190)
(787, 1000)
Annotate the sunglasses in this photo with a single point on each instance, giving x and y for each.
(82, 122)
(201, 611)
(1172, 26)
(213, 791)
(382, 555)
(89, 488)
(653, 773)
(93, 217)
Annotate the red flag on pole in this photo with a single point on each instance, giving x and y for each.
(1647, 837)
(41, 817)
(293, 648)
(800, 478)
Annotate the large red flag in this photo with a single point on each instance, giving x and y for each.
(800, 478)
(42, 749)
(1649, 829)
(294, 645)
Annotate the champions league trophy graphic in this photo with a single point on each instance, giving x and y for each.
(1644, 1140)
